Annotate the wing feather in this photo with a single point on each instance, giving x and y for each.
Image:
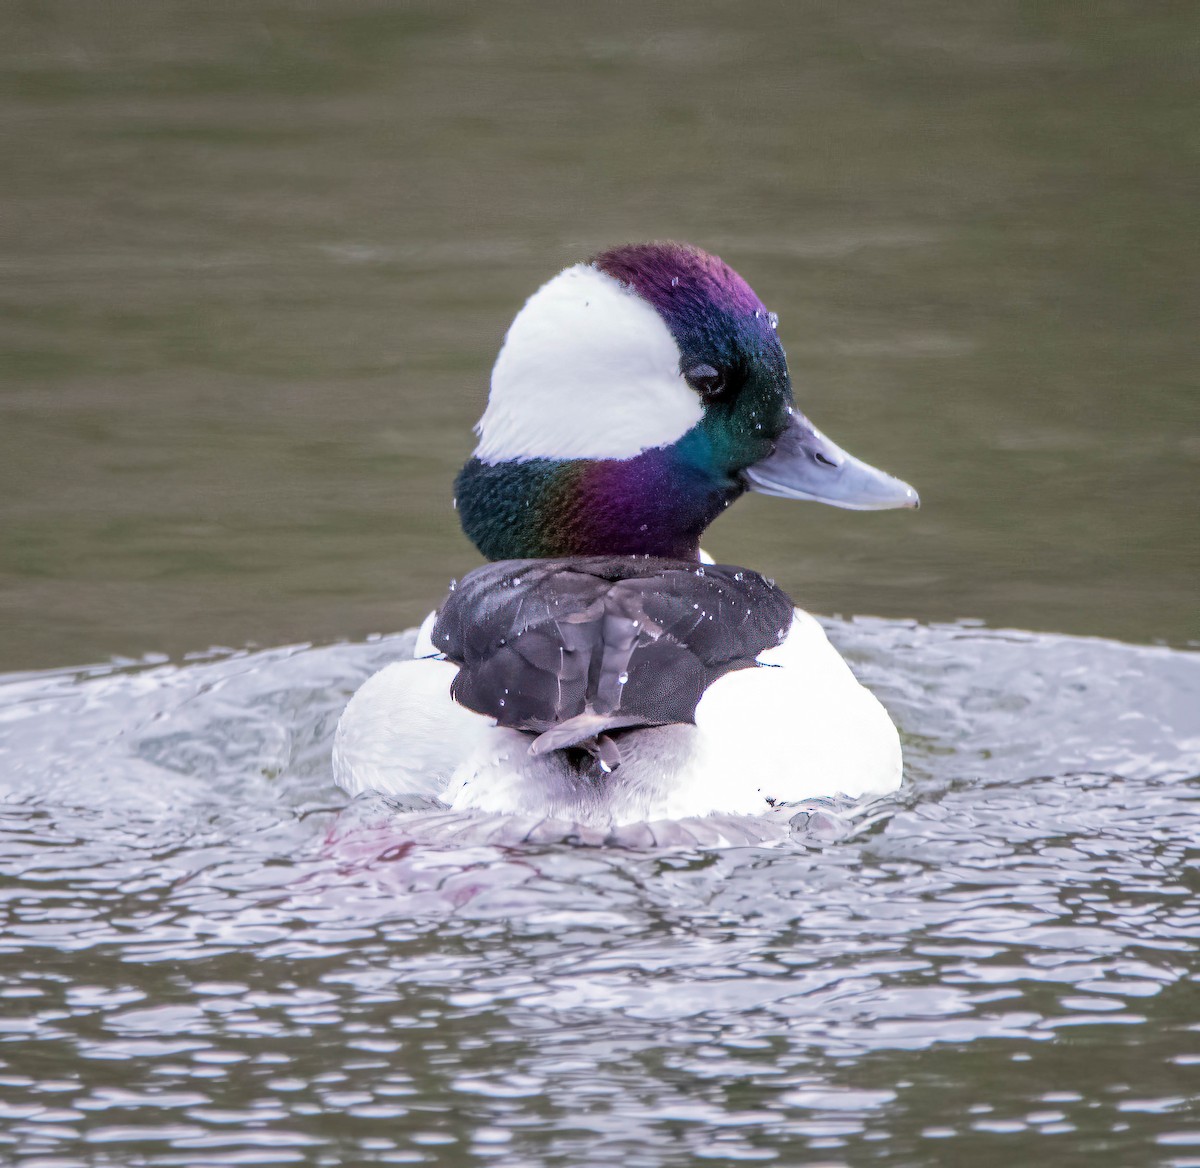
(570, 649)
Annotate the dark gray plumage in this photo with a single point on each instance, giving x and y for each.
(570, 649)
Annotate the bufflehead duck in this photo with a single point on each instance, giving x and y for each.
(602, 671)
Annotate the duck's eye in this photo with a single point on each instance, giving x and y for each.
(707, 380)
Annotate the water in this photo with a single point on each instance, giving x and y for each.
(254, 265)
(256, 261)
(207, 959)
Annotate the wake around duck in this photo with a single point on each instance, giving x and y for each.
(600, 672)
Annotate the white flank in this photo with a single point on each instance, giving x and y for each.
(804, 729)
(588, 370)
(402, 733)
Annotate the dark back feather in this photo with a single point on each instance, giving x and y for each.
(602, 642)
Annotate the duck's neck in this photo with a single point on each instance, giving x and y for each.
(657, 504)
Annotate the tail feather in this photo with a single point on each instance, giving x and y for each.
(589, 731)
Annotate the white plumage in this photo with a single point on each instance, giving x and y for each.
(588, 370)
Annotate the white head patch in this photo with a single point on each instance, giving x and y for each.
(588, 370)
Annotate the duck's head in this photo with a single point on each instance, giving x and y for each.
(635, 397)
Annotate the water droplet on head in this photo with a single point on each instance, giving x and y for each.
(453, 585)
(674, 281)
(622, 677)
(700, 571)
(739, 576)
(516, 581)
(502, 701)
(773, 317)
(643, 527)
(757, 314)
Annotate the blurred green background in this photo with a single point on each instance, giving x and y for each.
(256, 261)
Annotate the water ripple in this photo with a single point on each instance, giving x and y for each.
(209, 958)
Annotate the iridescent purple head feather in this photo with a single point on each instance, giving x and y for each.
(679, 280)
(699, 296)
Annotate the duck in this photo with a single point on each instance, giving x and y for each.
(600, 669)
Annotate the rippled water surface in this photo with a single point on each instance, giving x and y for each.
(208, 959)
(255, 262)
